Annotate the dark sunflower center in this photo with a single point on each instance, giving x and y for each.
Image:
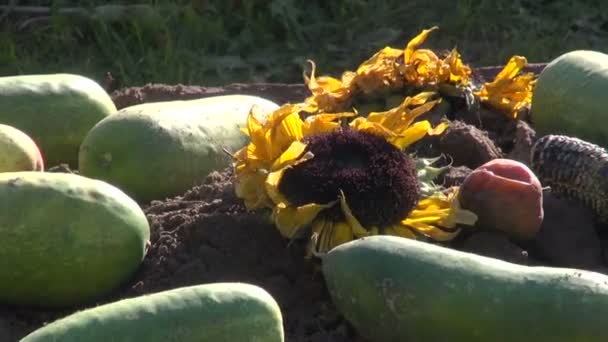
(379, 181)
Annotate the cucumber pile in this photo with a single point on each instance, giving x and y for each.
(70, 239)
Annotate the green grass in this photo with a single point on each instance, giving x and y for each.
(218, 42)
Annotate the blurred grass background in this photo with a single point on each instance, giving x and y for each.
(209, 42)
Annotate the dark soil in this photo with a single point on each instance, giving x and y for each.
(206, 235)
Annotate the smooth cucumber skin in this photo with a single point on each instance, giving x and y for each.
(18, 152)
(56, 110)
(66, 239)
(216, 312)
(398, 289)
(157, 150)
(569, 97)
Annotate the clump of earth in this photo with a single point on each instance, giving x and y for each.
(205, 235)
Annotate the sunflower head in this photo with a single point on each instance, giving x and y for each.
(378, 179)
(346, 179)
(343, 175)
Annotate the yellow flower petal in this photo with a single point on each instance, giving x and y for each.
(319, 243)
(291, 154)
(357, 228)
(272, 187)
(509, 92)
(269, 140)
(436, 216)
(423, 68)
(413, 44)
(250, 187)
(291, 219)
(327, 234)
(400, 231)
(459, 72)
(288, 130)
(379, 72)
(341, 233)
(457, 214)
(361, 124)
(415, 132)
(328, 93)
(431, 231)
(320, 123)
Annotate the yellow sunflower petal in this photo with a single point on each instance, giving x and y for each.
(328, 93)
(319, 238)
(327, 234)
(254, 128)
(321, 123)
(416, 132)
(341, 233)
(272, 187)
(291, 219)
(401, 231)
(509, 92)
(290, 155)
(432, 217)
(413, 44)
(380, 71)
(457, 214)
(399, 118)
(250, 187)
(288, 130)
(362, 124)
(356, 226)
(431, 231)
(459, 72)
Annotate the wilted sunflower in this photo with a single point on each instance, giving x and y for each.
(398, 73)
(346, 179)
(389, 70)
(510, 91)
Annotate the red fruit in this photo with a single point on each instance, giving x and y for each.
(506, 195)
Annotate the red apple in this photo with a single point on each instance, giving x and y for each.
(506, 195)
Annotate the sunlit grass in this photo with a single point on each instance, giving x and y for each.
(218, 42)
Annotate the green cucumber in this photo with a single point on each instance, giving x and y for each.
(398, 289)
(55, 110)
(218, 312)
(66, 239)
(569, 97)
(18, 152)
(157, 150)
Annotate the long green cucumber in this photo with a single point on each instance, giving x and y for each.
(569, 96)
(55, 110)
(18, 152)
(216, 312)
(66, 239)
(398, 289)
(157, 150)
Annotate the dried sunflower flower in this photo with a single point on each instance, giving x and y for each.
(387, 70)
(345, 180)
(510, 91)
(423, 68)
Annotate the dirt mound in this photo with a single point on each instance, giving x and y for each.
(206, 235)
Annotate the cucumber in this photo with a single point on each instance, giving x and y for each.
(18, 152)
(157, 150)
(569, 96)
(218, 312)
(398, 289)
(55, 110)
(66, 239)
